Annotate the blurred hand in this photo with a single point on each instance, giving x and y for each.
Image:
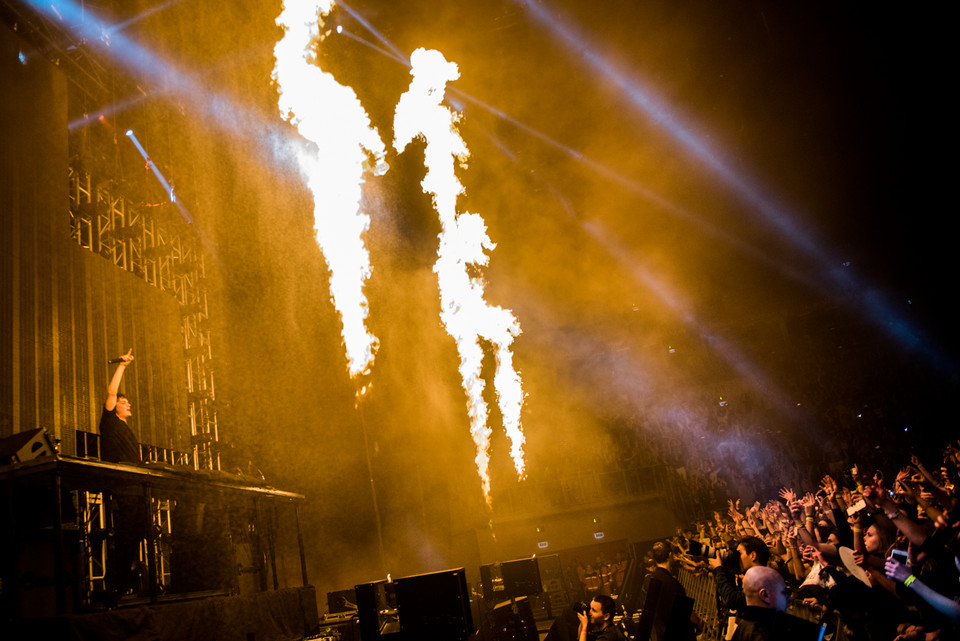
(829, 486)
(873, 493)
(854, 520)
(903, 475)
(847, 496)
(910, 633)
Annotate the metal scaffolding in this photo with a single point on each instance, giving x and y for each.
(167, 256)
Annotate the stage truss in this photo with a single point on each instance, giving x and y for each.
(166, 253)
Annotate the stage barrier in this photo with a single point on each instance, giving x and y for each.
(701, 588)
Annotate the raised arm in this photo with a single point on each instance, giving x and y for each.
(914, 532)
(114, 387)
(942, 604)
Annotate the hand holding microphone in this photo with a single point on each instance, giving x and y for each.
(126, 359)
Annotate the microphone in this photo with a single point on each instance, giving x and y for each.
(114, 361)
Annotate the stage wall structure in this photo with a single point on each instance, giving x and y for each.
(86, 274)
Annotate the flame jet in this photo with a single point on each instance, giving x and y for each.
(463, 241)
(330, 115)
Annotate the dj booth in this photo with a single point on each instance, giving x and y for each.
(197, 536)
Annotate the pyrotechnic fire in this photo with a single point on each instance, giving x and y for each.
(330, 116)
(463, 241)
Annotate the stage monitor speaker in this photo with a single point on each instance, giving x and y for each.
(510, 579)
(377, 610)
(26, 446)
(416, 608)
(435, 606)
(551, 572)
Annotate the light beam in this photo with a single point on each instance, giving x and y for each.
(156, 172)
(835, 280)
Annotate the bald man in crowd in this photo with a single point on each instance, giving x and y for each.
(766, 595)
(751, 551)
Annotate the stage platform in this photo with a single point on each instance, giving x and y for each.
(288, 614)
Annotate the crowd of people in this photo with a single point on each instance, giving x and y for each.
(877, 553)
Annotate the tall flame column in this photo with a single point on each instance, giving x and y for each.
(463, 243)
(330, 116)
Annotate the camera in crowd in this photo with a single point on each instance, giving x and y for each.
(708, 551)
(581, 607)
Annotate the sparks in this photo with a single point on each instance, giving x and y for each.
(463, 242)
(330, 116)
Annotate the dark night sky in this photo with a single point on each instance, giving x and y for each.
(811, 218)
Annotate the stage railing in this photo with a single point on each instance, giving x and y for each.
(701, 587)
(74, 529)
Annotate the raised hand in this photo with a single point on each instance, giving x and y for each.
(829, 486)
(873, 493)
(896, 570)
(904, 474)
(847, 495)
